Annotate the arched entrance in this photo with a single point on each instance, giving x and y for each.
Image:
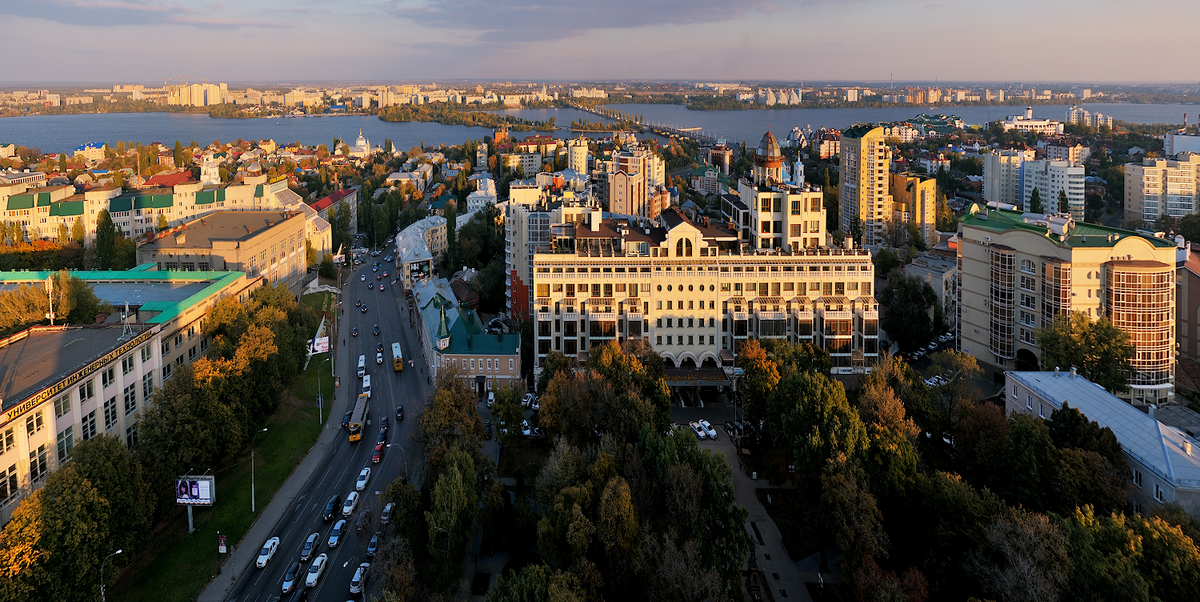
(1026, 361)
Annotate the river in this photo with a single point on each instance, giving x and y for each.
(57, 133)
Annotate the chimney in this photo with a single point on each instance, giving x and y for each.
(1073, 372)
(1150, 410)
(1056, 372)
(1187, 446)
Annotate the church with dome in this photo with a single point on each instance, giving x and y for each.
(361, 148)
(779, 214)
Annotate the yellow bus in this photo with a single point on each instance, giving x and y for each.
(358, 417)
(397, 358)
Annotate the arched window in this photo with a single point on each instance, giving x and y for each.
(683, 247)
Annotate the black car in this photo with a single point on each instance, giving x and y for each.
(379, 348)
(375, 330)
(373, 545)
(399, 413)
(382, 435)
(346, 420)
(487, 428)
(331, 507)
(364, 309)
(363, 522)
(383, 423)
(354, 331)
(358, 303)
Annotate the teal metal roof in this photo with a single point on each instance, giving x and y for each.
(43, 199)
(467, 334)
(208, 197)
(66, 208)
(1081, 235)
(119, 204)
(109, 282)
(20, 201)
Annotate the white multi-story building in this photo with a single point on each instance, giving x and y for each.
(1160, 187)
(1082, 116)
(1179, 141)
(1026, 123)
(694, 292)
(1002, 175)
(577, 155)
(1050, 177)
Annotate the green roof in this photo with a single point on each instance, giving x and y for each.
(66, 208)
(207, 197)
(858, 130)
(1082, 234)
(20, 201)
(121, 203)
(467, 334)
(258, 191)
(43, 199)
(168, 310)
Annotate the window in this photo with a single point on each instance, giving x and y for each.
(192, 353)
(472, 365)
(668, 339)
(127, 365)
(131, 435)
(8, 482)
(131, 399)
(1158, 492)
(670, 322)
(147, 385)
(658, 323)
(1041, 410)
(711, 340)
(1028, 267)
(66, 442)
(1027, 319)
(108, 377)
(166, 370)
(62, 406)
(34, 424)
(1029, 401)
(1014, 391)
(510, 365)
(1028, 284)
(658, 340)
(86, 392)
(1137, 478)
(1028, 337)
(166, 347)
(10, 440)
(1027, 302)
(89, 425)
(178, 340)
(146, 354)
(110, 414)
(39, 465)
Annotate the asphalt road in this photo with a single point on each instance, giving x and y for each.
(337, 477)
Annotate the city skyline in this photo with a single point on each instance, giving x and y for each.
(265, 40)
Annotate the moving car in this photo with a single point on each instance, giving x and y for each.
(364, 521)
(358, 303)
(362, 278)
(290, 577)
(315, 570)
(350, 504)
(330, 507)
(364, 309)
(708, 429)
(385, 274)
(359, 582)
(380, 287)
(386, 515)
(375, 330)
(370, 286)
(383, 423)
(268, 552)
(699, 432)
(346, 419)
(373, 545)
(378, 358)
(310, 545)
(363, 476)
(399, 412)
(379, 348)
(377, 455)
(354, 331)
(382, 435)
(335, 536)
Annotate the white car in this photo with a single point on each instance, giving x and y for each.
(350, 504)
(697, 430)
(378, 356)
(359, 582)
(362, 278)
(527, 401)
(268, 552)
(363, 477)
(316, 570)
(708, 429)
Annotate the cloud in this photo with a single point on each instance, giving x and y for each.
(527, 21)
(110, 13)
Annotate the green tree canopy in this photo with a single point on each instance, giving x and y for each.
(906, 303)
(106, 239)
(1101, 352)
(1035, 201)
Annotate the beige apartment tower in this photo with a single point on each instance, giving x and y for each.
(866, 202)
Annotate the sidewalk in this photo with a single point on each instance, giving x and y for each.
(242, 556)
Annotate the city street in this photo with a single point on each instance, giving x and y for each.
(341, 467)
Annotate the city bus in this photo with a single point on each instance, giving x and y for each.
(358, 417)
(397, 358)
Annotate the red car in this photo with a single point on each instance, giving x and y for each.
(377, 455)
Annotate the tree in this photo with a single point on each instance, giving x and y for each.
(77, 233)
(1025, 557)
(62, 163)
(1028, 466)
(1035, 201)
(162, 223)
(106, 237)
(179, 156)
(760, 379)
(1101, 352)
(906, 302)
(1063, 205)
(554, 363)
(63, 236)
(451, 237)
(816, 422)
(327, 270)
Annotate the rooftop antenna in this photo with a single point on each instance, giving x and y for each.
(50, 297)
(127, 333)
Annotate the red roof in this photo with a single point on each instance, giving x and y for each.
(167, 180)
(322, 204)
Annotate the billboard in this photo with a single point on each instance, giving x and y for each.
(320, 345)
(195, 490)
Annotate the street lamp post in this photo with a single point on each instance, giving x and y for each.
(252, 505)
(102, 563)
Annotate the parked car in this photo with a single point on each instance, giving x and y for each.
(310, 546)
(386, 515)
(491, 398)
(527, 401)
(335, 536)
(363, 476)
(699, 432)
(290, 577)
(364, 521)
(375, 330)
(535, 405)
(373, 545)
(487, 428)
(931, 347)
(267, 553)
(708, 429)
(359, 582)
(382, 436)
(315, 570)
(350, 504)
(330, 507)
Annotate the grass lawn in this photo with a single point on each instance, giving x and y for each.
(322, 301)
(176, 566)
(791, 510)
(524, 457)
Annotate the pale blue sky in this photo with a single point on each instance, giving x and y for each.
(273, 40)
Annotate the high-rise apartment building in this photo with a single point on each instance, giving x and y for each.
(577, 155)
(1017, 273)
(1160, 187)
(1002, 175)
(694, 291)
(914, 201)
(1050, 177)
(866, 203)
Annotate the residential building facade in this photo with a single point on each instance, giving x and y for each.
(1002, 180)
(866, 203)
(269, 244)
(1160, 187)
(1050, 177)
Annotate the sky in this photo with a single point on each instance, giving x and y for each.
(149, 41)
